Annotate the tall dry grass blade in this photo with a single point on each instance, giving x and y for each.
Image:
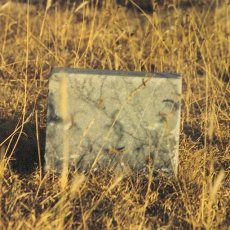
(211, 125)
(48, 4)
(38, 145)
(212, 198)
(63, 100)
(82, 5)
(76, 184)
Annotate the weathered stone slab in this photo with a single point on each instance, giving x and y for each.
(123, 121)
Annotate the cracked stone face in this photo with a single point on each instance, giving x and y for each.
(121, 121)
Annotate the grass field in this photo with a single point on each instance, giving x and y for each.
(193, 41)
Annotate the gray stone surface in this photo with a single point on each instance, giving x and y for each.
(123, 121)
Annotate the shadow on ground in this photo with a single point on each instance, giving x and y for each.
(24, 155)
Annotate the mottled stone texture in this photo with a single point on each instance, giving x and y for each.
(123, 121)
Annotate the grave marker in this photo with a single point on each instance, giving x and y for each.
(99, 119)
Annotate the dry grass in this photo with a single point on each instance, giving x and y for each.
(193, 41)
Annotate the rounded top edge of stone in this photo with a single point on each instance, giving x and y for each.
(60, 70)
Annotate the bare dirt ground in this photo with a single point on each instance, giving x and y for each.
(193, 41)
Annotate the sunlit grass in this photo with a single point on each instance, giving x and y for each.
(194, 42)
